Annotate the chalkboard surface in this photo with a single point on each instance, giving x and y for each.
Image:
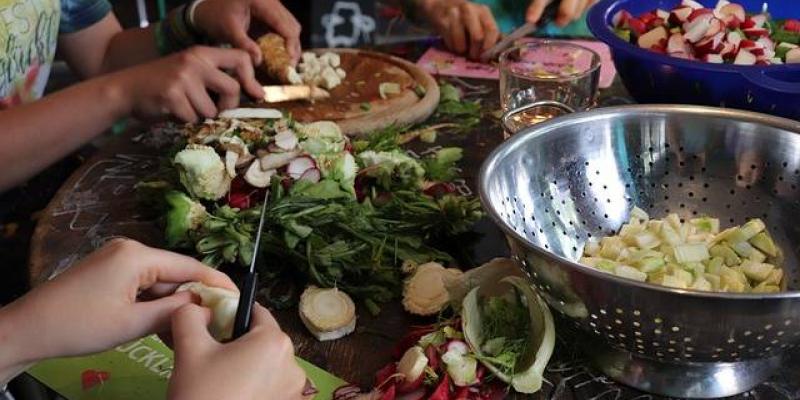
(342, 23)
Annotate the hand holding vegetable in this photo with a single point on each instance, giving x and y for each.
(258, 365)
(465, 27)
(180, 84)
(121, 292)
(229, 20)
(568, 10)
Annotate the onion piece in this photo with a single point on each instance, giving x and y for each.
(251, 113)
(300, 165)
(328, 314)
(286, 140)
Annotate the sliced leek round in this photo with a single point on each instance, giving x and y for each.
(424, 293)
(328, 314)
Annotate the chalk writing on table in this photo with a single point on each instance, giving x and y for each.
(101, 187)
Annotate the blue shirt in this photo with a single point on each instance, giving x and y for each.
(510, 14)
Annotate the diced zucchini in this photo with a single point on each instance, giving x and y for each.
(723, 235)
(630, 273)
(684, 232)
(629, 231)
(669, 235)
(698, 238)
(589, 261)
(696, 268)
(639, 214)
(756, 271)
(651, 264)
(606, 265)
(655, 226)
(713, 279)
(592, 247)
(766, 288)
(714, 265)
(684, 276)
(727, 253)
(672, 281)
(674, 221)
(746, 231)
(775, 277)
(706, 224)
(743, 249)
(686, 253)
(646, 240)
(610, 247)
(763, 242)
(757, 256)
(701, 283)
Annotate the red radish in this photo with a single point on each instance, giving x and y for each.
(442, 391)
(276, 160)
(389, 394)
(793, 56)
(747, 44)
(300, 165)
(728, 49)
(679, 15)
(710, 45)
(691, 3)
(763, 61)
(698, 12)
(696, 30)
(748, 23)
(286, 140)
(733, 10)
(732, 22)
(755, 33)
(462, 393)
(676, 43)
(744, 58)
(652, 38)
(620, 19)
(647, 17)
(408, 387)
(734, 38)
(418, 394)
(433, 357)
(759, 20)
(385, 373)
(312, 175)
(713, 58)
(663, 14)
(655, 23)
(637, 26)
(716, 26)
(792, 25)
(411, 338)
(458, 346)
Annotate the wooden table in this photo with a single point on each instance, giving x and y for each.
(99, 203)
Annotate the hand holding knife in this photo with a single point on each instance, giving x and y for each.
(247, 294)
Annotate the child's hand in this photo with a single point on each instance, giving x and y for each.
(258, 365)
(180, 83)
(98, 303)
(568, 10)
(228, 21)
(465, 27)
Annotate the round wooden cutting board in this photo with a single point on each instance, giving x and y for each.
(356, 104)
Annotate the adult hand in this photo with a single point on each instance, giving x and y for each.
(568, 11)
(258, 365)
(229, 20)
(466, 27)
(98, 303)
(179, 84)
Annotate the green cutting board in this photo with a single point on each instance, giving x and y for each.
(135, 371)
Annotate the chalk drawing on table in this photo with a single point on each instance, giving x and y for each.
(101, 185)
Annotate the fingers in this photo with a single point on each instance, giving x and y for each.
(567, 12)
(474, 28)
(490, 32)
(201, 102)
(456, 31)
(240, 62)
(165, 266)
(277, 17)
(263, 319)
(535, 10)
(240, 40)
(190, 329)
(225, 86)
(154, 316)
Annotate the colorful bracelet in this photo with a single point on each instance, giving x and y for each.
(174, 33)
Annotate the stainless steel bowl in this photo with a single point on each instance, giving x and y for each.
(553, 185)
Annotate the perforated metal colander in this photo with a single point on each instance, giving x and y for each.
(553, 185)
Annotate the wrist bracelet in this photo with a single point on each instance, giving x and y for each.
(190, 12)
(173, 33)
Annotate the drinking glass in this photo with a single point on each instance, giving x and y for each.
(548, 78)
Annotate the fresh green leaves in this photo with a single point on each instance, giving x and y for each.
(452, 108)
(441, 166)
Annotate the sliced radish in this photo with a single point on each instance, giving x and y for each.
(728, 49)
(300, 165)
(458, 346)
(680, 15)
(286, 140)
(418, 394)
(637, 26)
(663, 14)
(620, 19)
(766, 43)
(696, 30)
(718, 7)
(312, 175)
(691, 3)
(653, 38)
(676, 43)
(748, 23)
(755, 33)
(716, 26)
(793, 56)
(710, 45)
(733, 10)
(277, 160)
(713, 58)
(747, 44)
(792, 25)
(734, 38)
(647, 17)
(762, 61)
(759, 20)
(257, 176)
(744, 58)
(698, 12)
(655, 23)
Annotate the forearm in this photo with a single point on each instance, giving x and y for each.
(37, 134)
(130, 47)
(12, 360)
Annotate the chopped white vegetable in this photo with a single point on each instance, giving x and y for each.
(328, 314)
(424, 293)
(223, 304)
(412, 364)
(251, 113)
(388, 88)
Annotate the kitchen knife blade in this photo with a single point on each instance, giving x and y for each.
(281, 93)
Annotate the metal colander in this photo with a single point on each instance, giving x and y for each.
(553, 185)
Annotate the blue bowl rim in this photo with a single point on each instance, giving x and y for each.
(599, 19)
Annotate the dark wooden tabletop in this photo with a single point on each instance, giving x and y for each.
(98, 202)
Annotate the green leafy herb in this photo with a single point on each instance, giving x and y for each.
(366, 106)
(441, 166)
(455, 109)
